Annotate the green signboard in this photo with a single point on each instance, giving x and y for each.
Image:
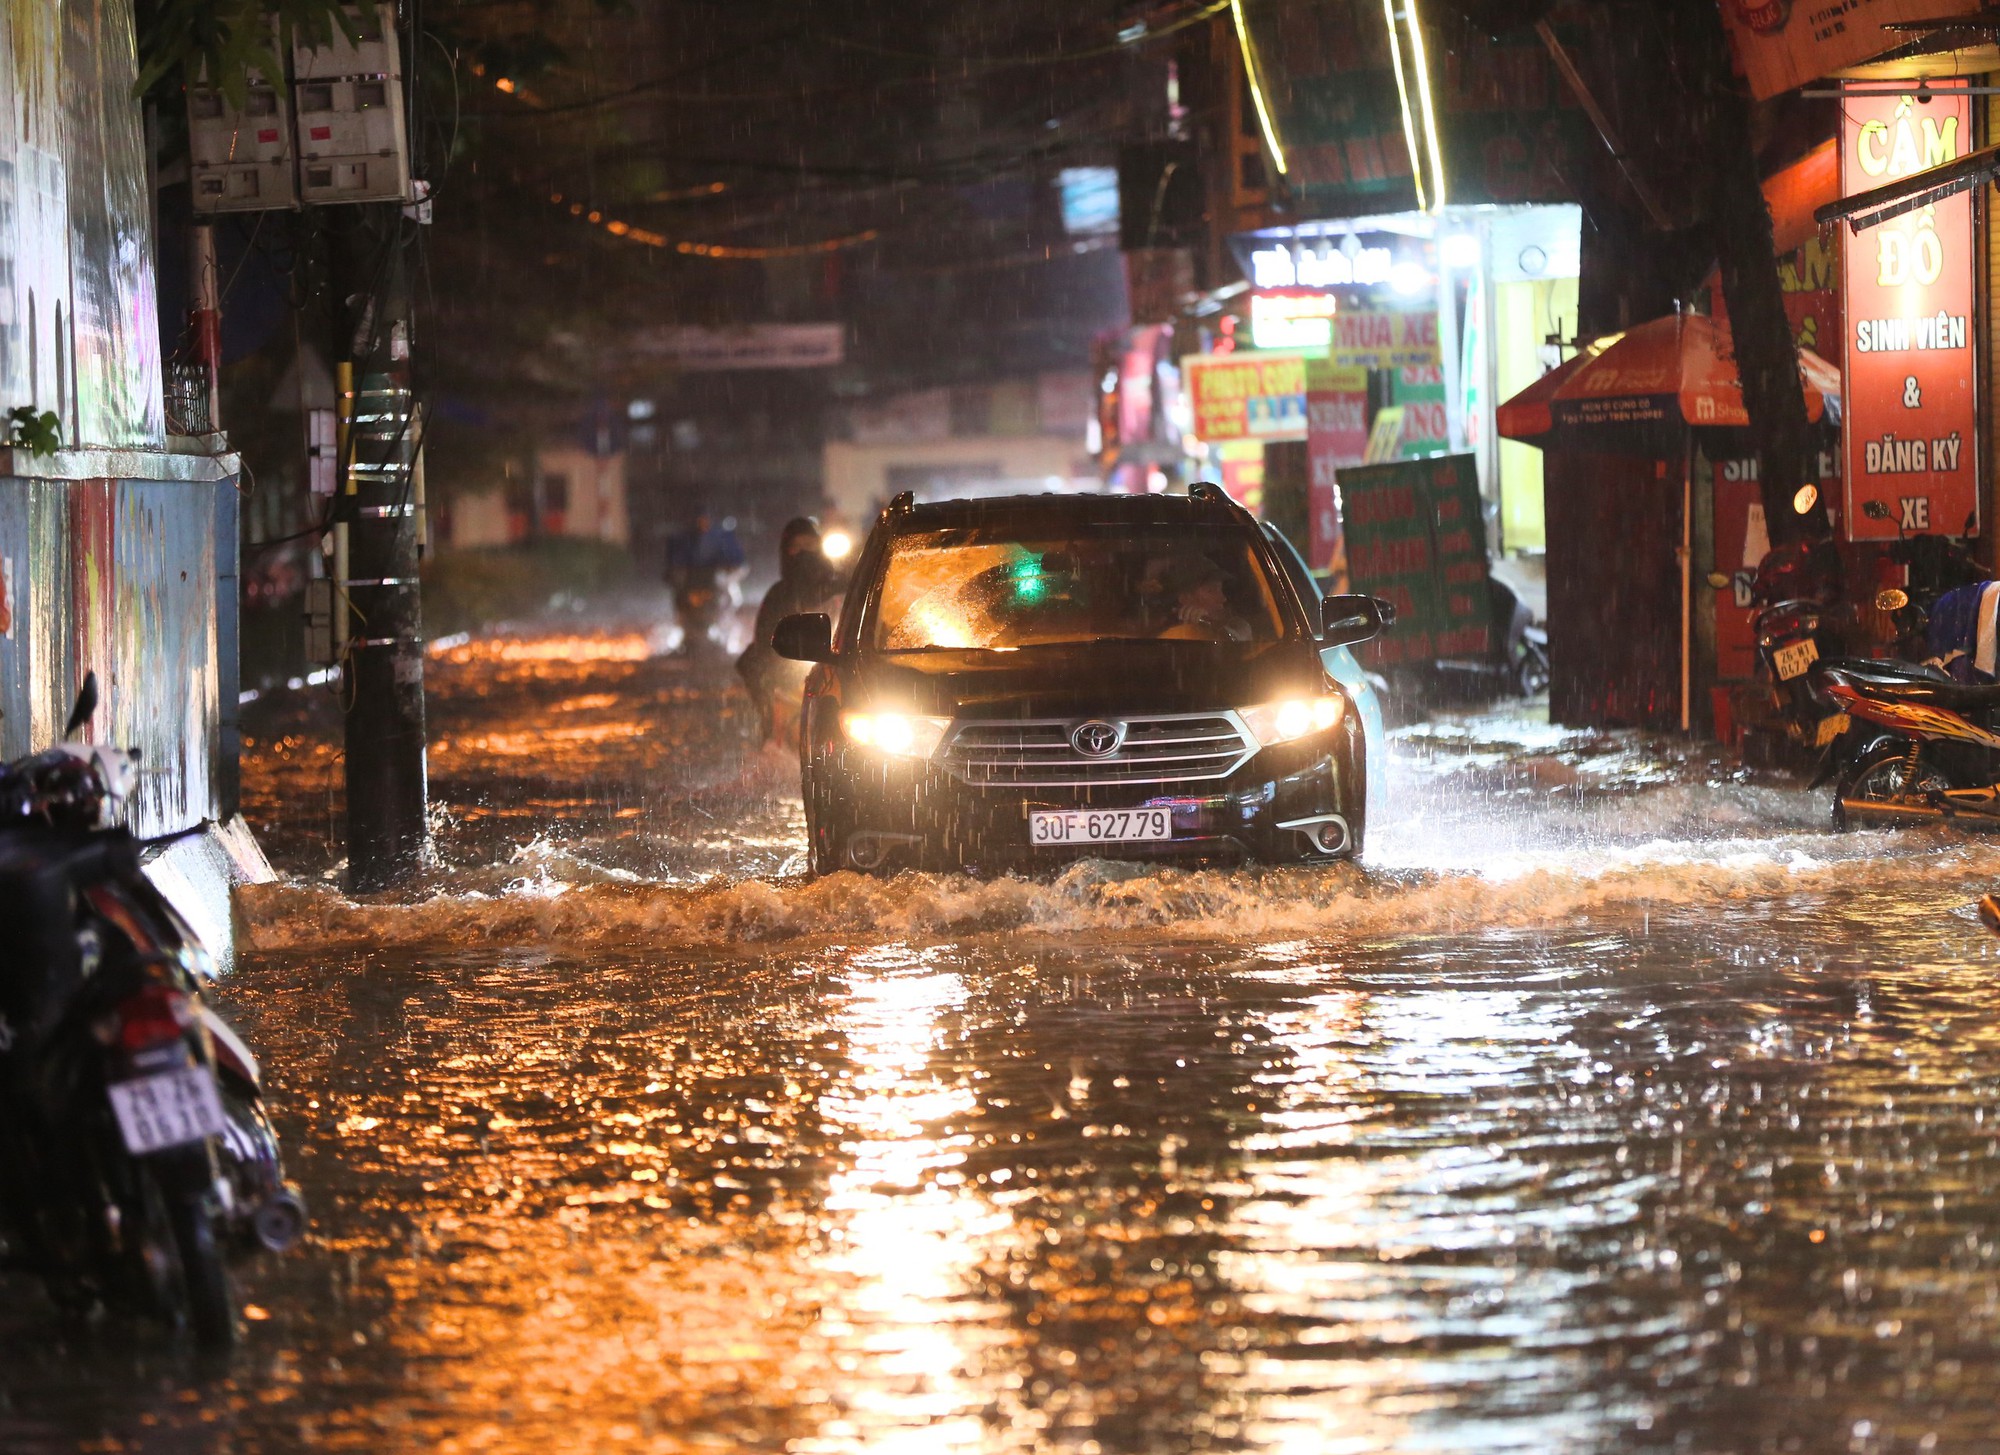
(1416, 536)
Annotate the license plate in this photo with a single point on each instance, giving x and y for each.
(1100, 826)
(1792, 659)
(1830, 728)
(167, 1110)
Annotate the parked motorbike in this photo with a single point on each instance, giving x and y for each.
(136, 1155)
(1523, 642)
(1920, 746)
(1794, 594)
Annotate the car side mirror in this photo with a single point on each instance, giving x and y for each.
(1347, 620)
(806, 637)
(1875, 510)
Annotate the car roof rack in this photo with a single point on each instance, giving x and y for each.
(1209, 493)
(904, 503)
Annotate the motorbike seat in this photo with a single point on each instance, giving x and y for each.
(1911, 682)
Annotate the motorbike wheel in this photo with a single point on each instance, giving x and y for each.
(1531, 670)
(1878, 775)
(211, 1307)
(184, 1264)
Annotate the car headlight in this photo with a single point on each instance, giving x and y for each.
(899, 734)
(1281, 722)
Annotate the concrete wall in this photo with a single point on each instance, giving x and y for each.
(583, 494)
(120, 577)
(79, 330)
(117, 553)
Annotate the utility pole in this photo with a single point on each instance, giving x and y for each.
(378, 533)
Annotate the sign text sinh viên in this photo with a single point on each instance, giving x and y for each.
(1415, 536)
(1910, 410)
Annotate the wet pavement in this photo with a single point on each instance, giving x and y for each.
(1614, 1105)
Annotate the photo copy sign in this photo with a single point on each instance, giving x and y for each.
(1910, 409)
(1247, 396)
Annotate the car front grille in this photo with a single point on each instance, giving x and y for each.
(1038, 753)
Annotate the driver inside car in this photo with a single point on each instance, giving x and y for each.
(1201, 611)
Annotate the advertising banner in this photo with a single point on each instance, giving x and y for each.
(751, 346)
(1365, 339)
(1426, 421)
(1909, 326)
(1741, 540)
(1415, 536)
(1336, 438)
(1782, 44)
(1247, 396)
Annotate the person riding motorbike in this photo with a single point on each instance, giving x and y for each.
(704, 562)
(807, 580)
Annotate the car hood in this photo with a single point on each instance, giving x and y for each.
(1087, 680)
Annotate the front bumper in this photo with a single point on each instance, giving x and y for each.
(1299, 802)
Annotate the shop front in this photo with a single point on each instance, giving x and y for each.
(1391, 338)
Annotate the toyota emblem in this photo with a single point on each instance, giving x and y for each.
(1097, 739)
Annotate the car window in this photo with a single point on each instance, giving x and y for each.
(999, 588)
(1295, 569)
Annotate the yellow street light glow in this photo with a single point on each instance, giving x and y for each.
(1254, 75)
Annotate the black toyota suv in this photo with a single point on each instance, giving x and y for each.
(1018, 682)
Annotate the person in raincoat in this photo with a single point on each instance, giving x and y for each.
(1964, 632)
(704, 563)
(807, 582)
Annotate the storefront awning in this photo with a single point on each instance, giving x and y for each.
(1797, 192)
(1674, 371)
(1907, 194)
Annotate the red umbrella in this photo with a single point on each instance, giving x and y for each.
(1675, 370)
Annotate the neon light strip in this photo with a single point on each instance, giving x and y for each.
(1416, 24)
(1256, 80)
(1409, 118)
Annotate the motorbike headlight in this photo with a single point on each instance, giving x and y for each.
(1282, 722)
(898, 734)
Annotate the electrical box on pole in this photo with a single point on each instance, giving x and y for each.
(241, 160)
(353, 145)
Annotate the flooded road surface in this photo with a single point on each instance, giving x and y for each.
(1614, 1106)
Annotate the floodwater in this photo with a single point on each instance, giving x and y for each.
(1615, 1106)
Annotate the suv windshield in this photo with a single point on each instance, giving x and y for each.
(1002, 587)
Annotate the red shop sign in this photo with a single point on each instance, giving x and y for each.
(1910, 410)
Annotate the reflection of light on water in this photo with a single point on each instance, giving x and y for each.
(604, 647)
(1280, 1248)
(1366, 1248)
(906, 1235)
(538, 740)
